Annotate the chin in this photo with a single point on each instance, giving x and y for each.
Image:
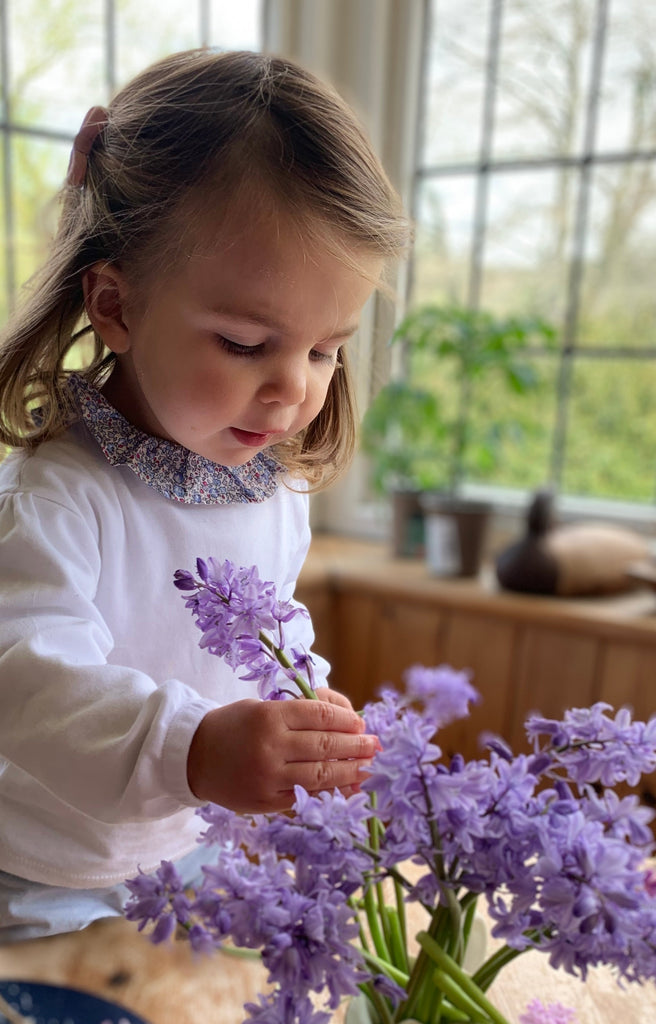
(231, 460)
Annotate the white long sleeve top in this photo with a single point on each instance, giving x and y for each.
(102, 681)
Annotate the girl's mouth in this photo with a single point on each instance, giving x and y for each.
(249, 438)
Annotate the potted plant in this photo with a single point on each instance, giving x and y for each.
(417, 431)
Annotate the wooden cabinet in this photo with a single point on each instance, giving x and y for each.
(375, 616)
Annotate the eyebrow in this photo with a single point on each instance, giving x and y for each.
(262, 320)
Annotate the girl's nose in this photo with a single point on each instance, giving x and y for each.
(285, 382)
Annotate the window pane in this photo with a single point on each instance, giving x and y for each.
(444, 238)
(509, 434)
(618, 288)
(236, 26)
(148, 30)
(455, 81)
(56, 61)
(611, 438)
(628, 102)
(512, 433)
(528, 242)
(544, 74)
(39, 166)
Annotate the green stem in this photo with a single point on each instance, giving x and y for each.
(460, 998)
(362, 935)
(379, 1003)
(488, 971)
(244, 954)
(455, 944)
(401, 916)
(418, 973)
(452, 1013)
(283, 660)
(385, 967)
(374, 925)
(396, 940)
(450, 967)
(468, 903)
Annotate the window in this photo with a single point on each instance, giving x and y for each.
(536, 194)
(57, 60)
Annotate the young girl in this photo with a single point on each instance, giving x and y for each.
(223, 224)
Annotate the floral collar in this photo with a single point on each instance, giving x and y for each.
(171, 469)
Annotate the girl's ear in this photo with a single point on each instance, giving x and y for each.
(105, 292)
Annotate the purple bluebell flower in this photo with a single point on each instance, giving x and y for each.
(236, 612)
(389, 989)
(595, 747)
(538, 1012)
(284, 1008)
(444, 693)
(159, 899)
(560, 857)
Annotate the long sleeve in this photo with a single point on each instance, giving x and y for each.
(102, 680)
(102, 737)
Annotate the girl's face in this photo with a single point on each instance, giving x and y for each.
(234, 351)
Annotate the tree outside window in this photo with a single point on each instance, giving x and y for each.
(536, 194)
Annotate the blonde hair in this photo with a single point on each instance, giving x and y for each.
(199, 126)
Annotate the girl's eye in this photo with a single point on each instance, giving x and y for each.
(250, 351)
(237, 350)
(323, 357)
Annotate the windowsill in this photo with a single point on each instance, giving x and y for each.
(354, 564)
(371, 520)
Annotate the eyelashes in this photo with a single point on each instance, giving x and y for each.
(253, 351)
(247, 351)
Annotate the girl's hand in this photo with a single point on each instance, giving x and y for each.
(248, 756)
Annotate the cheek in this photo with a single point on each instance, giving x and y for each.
(317, 392)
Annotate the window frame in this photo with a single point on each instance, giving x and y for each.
(570, 353)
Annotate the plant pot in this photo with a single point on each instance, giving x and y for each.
(407, 524)
(455, 531)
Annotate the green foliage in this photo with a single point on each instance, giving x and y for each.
(419, 432)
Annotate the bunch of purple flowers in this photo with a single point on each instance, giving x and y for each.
(322, 893)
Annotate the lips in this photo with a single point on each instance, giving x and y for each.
(250, 438)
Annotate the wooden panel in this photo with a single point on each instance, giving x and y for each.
(628, 677)
(407, 633)
(555, 671)
(354, 632)
(484, 645)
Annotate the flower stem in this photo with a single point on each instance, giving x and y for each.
(488, 971)
(379, 1003)
(401, 916)
(283, 660)
(459, 998)
(418, 974)
(385, 967)
(449, 966)
(396, 940)
(374, 925)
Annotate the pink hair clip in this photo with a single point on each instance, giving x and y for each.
(94, 121)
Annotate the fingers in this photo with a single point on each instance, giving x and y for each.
(333, 697)
(311, 745)
(317, 777)
(321, 715)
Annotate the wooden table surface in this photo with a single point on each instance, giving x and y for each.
(169, 985)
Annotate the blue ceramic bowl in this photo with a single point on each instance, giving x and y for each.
(54, 1004)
